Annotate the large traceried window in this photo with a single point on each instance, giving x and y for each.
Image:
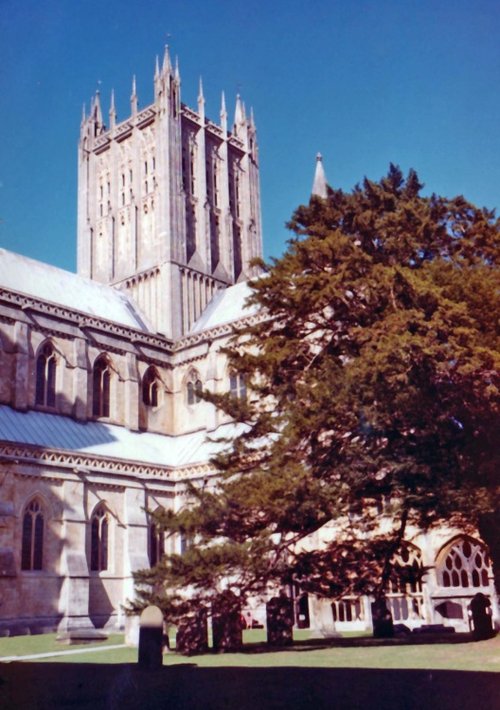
(32, 539)
(465, 565)
(150, 388)
(405, 596)
(99, 532)
(101, 389)
(45, 392)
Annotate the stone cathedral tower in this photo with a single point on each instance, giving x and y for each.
(168, 202)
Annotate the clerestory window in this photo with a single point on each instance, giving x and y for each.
(150, 388)
(194, 388)
(237, 386)
(101, 388)
(45, 391)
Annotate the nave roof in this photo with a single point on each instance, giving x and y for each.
(49, 283)
(53, 431)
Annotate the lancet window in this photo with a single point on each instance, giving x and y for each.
(150, 388)
(45, 393)
(101, 388)
(193, 392)
(156, 543)
(237, 385)
(32, 538)
(99, 531)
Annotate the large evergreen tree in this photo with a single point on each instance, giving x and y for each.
(373, 402)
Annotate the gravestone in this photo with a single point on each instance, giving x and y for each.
(279, 621)
(192, 634)
(227, 628)
(480, 609)
(151, 638)
(383, 625)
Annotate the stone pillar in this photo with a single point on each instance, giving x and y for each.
(135, 555)
(131, 393)
(80, 379)
(322, 617)
(151, 639)
(226, 623)
(22, 378)
(279, 621)
(383, 626)
(74, 596)
(192, 634)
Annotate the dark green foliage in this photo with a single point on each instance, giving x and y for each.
(373, 396)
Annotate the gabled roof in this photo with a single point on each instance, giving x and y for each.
(227, 305)
(53, 431)
(49, 283)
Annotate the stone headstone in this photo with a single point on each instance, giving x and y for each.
(192, 634)
(227, 627)
(279, 621)
(480, 609)
(383, 626)
(151, 638)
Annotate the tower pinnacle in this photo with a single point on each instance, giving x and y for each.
(319, 184)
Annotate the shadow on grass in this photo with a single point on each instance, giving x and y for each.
(358, 642)
(187, 687)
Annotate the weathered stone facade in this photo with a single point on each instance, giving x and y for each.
(99, 416)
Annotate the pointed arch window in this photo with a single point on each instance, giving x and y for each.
(32, 538)
(45, 391)
(150, 388)
(99, 530)
(156, 542)
(237, 386)
(101, 388)
(194, 388)
(465, 565)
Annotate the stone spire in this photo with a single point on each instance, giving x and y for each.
(238, 112)
(133, 97)
(223, 114)
(112, 111)
(201, 99)
(166, 61)
(319, 183)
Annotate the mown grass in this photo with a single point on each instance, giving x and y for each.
(45, 643)
(470, 656)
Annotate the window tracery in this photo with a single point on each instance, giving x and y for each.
(32, 537)
(99, 529)
(237, 385)
(101, 388)
(150, 388)
(194, 388)
(45, 390)
(466, 564)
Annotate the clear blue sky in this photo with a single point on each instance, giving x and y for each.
(365, 82)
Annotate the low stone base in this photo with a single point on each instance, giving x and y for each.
(81, 636)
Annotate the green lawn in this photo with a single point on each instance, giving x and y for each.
(481, 656)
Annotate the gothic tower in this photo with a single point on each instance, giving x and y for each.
(168, 202)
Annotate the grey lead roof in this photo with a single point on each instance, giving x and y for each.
(54, 431)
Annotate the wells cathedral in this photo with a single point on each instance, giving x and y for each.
(100, 374)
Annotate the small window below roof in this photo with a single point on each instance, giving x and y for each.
(101, 388)
(45, 389)
(237, 386)
(194, 388)
(150, 388)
